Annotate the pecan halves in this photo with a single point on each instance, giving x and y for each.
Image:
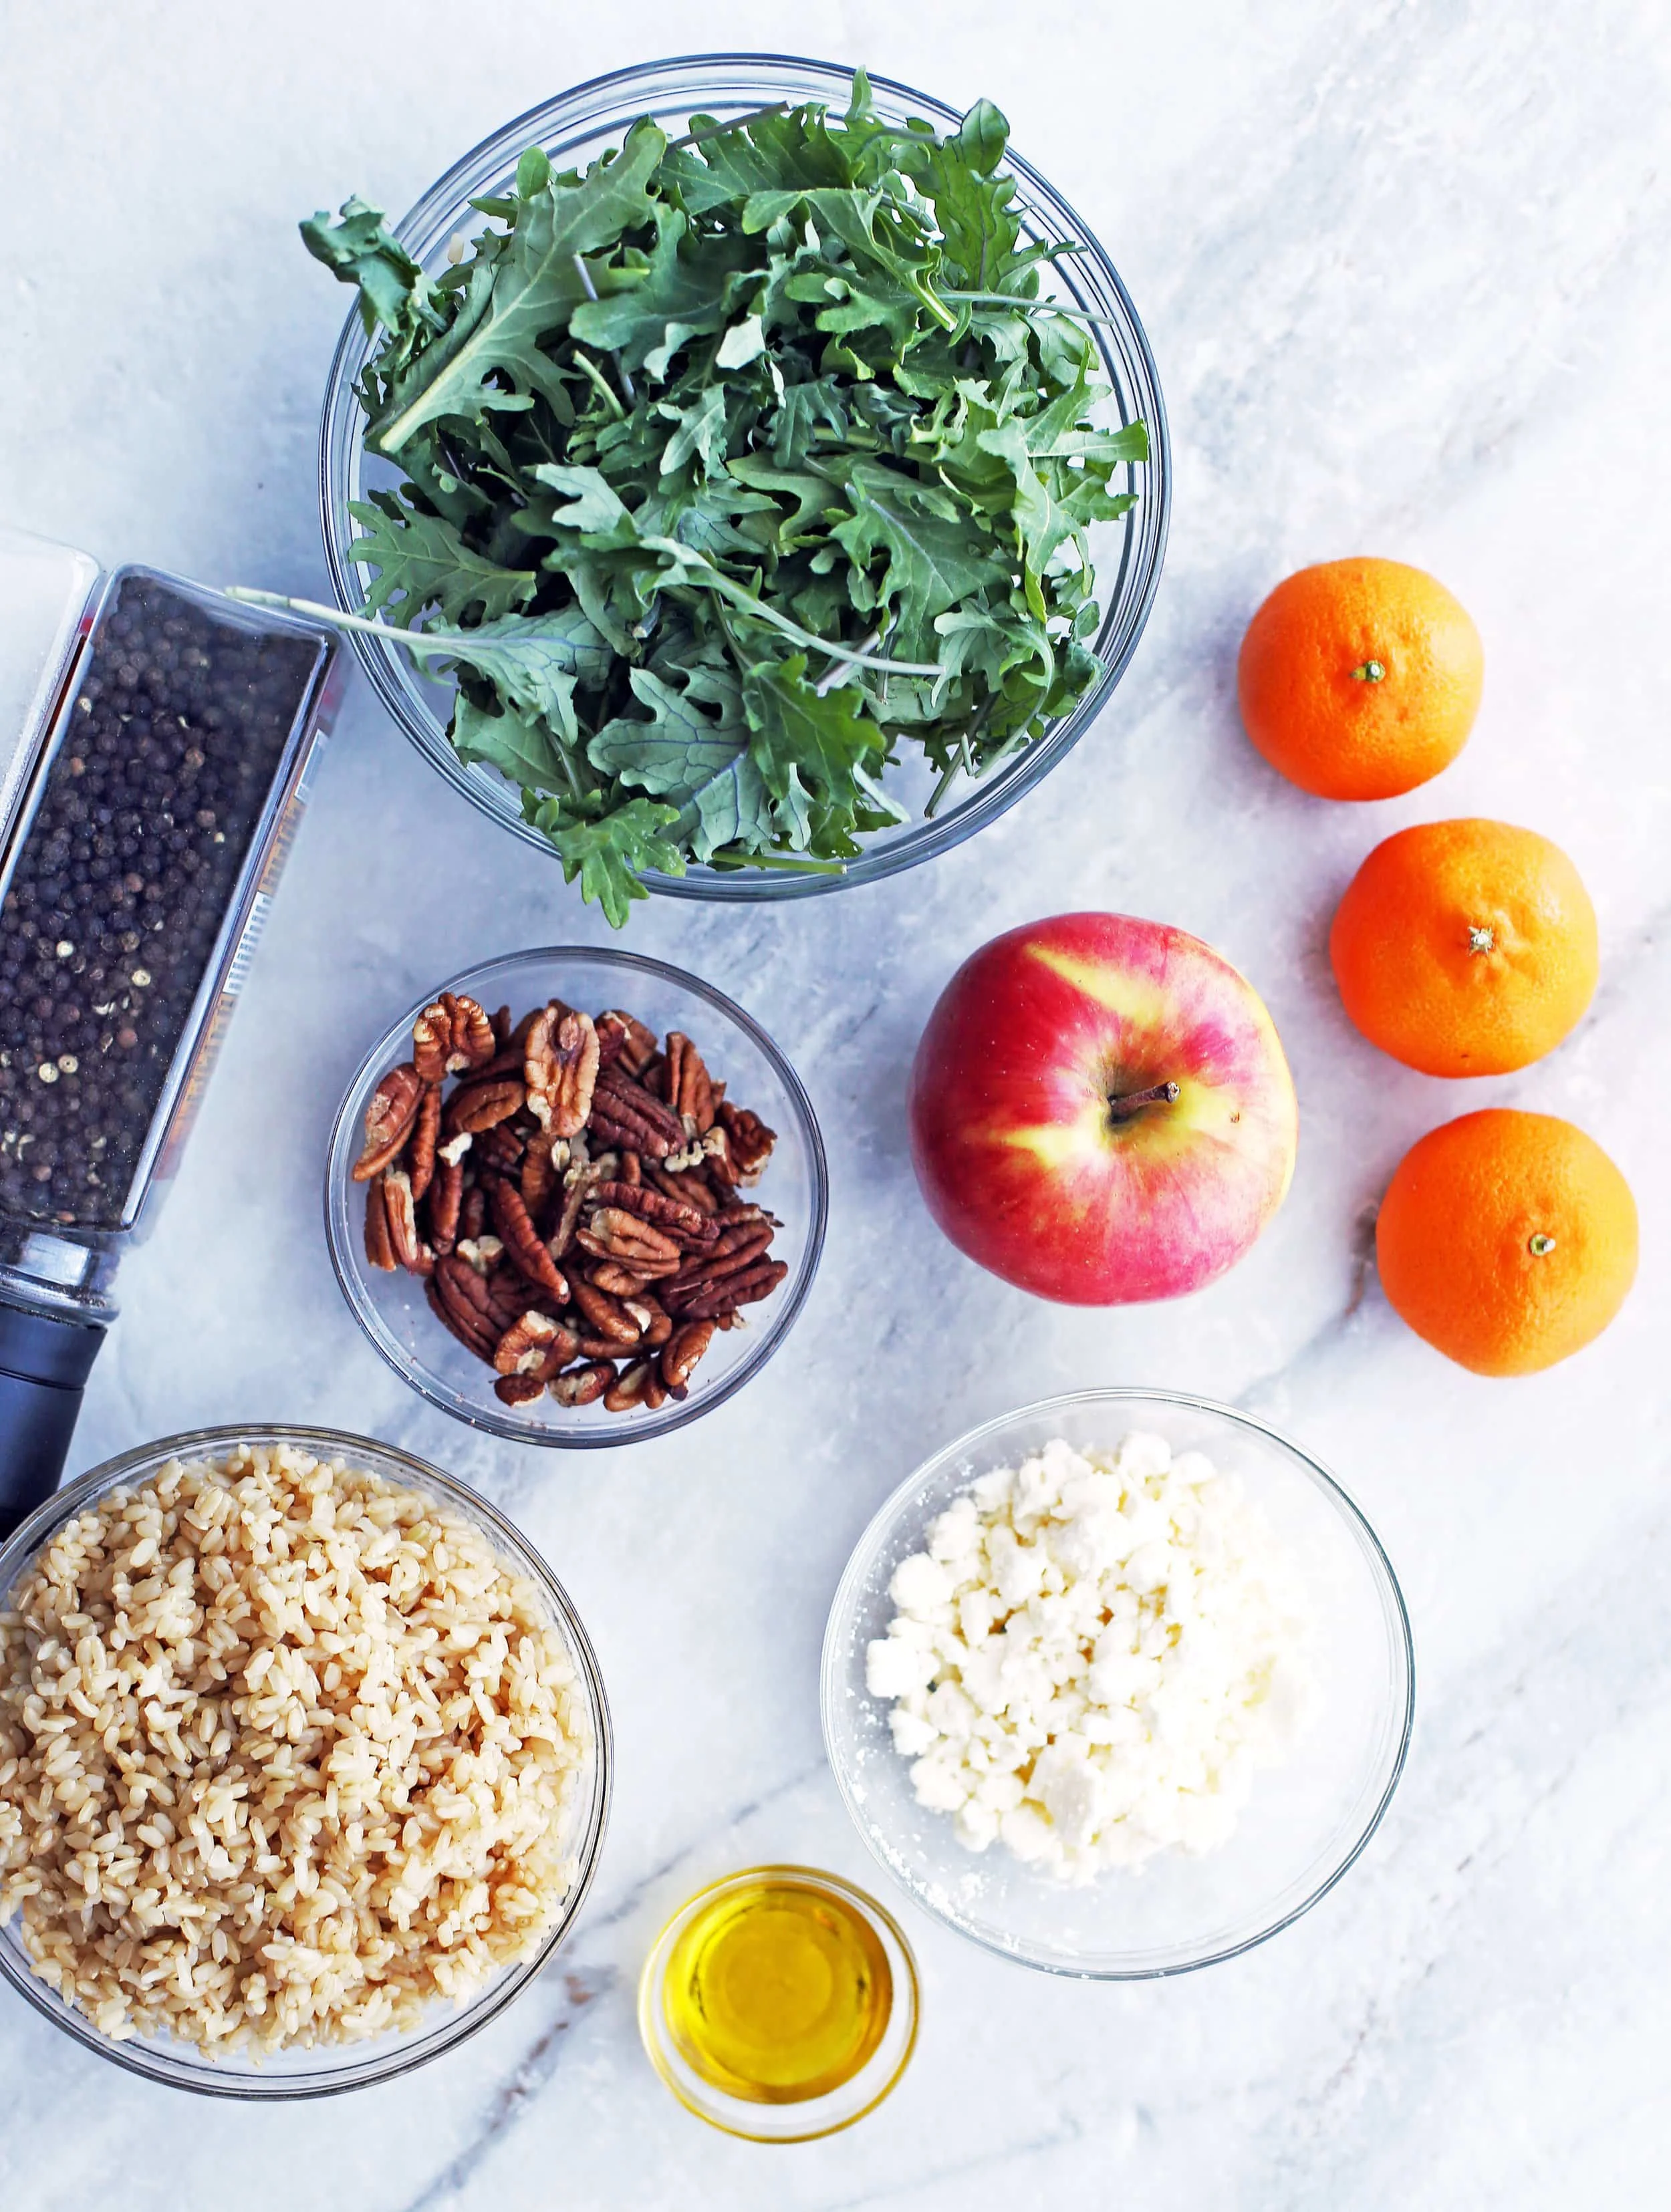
(560, 1068)
(451, 1036)
(522, 1241)
(624, 1038)
(686, 1224)
(688, 1091)
(729, 1255)
(389, 1118)
(681, 1352)
(611, 1233)
(579, 1386)
(481, 1105)
(426, 1135)
(443, 1201)
(708, 1301)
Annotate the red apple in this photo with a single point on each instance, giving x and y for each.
(1101, 1111)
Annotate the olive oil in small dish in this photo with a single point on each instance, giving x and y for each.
(779, 2004)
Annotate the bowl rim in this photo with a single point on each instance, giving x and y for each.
(651, 2014)
(991, 798)
(1328, 1485)
(188, 2070)
(674, 1415)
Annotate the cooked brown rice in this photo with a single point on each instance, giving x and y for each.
(285, 1751)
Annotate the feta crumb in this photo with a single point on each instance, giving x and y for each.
(1113, 1647)
(920, 1584)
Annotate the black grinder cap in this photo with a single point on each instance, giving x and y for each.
(44, 1362)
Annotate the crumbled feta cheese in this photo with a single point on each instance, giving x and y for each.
(1092, 1656)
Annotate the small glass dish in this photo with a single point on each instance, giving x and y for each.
(392, 1308)
(575, 129)
(1307, 1819)
(791, 2121)
(327, 2071)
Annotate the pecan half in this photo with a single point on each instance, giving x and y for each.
(401, 1214)
(681, 1352)
(620, 1282)
(467, 1323)
(610, 1317)
(522, 1241)
(517, 1390)
(624, 1038)
(389, 1118)
(579, 1386)
(541, 1175)
(500, 1150)
(578, 1184)
(710, 1300)
(689, 1188)
(426, 1134)
(626, 1101)
(446, 1198)
(749, 1142)
(526, 1344)
(482, 1253)
(600, 1347)
(560, 1068)
(632, 1169)
(380, 1252)
(689, 1092)
(639, 1384)
(474, 1107)
(660, 1326)
(472, 1212)
(451, 1036)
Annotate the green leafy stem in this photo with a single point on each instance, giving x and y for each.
(456, 644)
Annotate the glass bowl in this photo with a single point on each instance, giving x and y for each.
(392, 1308)
(573, 129)
(1307, 1819)
(804, 2120)
(327, 2071)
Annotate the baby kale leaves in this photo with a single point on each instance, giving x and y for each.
(731, 466)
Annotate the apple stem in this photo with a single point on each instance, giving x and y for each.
(1157, 1094)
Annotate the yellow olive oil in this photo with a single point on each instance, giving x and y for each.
(778, 1991)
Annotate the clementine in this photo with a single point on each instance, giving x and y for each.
(1507, 1240)
(1360, 679)
(1465, 948)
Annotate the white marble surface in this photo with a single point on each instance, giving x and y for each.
(1403, 268)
